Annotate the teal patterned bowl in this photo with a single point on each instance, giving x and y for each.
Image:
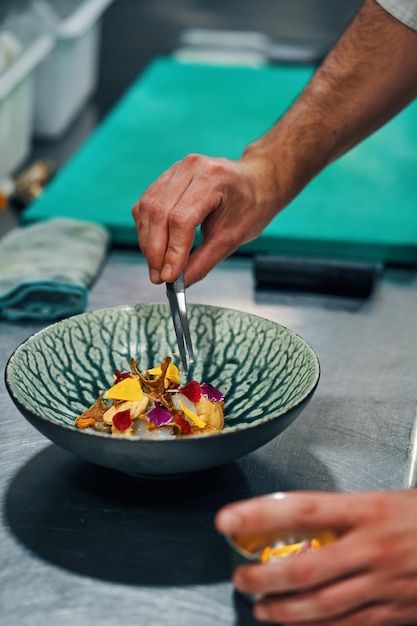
(267, 373)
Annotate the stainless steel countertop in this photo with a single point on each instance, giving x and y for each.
(83, 545)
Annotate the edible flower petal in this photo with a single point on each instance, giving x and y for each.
(121, 375)
(154, 371)
(159, 415)
(271, 552)
(126, 389)
(172, 372)
(213, 394)
(192, 391)
(122, 420)
(183, 425)
(192, 416)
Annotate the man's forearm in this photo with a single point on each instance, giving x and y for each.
(368, 77)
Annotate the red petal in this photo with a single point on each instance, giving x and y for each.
(192, 391)
(183, 425)
(122, 420)
(121, 375)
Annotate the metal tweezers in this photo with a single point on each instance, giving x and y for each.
(177, 302)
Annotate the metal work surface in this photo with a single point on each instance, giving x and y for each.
(83, 545)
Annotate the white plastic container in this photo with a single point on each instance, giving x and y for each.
(68, 76)
(17, 91)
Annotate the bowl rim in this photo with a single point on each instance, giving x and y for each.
(228, 431)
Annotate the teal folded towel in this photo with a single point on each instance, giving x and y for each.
(46, 269)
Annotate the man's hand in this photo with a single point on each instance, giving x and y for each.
(367, 577)
(368, 77)
(226, 198)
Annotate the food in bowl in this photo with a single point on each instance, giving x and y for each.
(153, 404)
(267, 373)
(276, 545)
(280, 549)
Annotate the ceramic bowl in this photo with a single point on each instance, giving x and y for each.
(267, 373)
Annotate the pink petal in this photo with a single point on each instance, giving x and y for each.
(159, 415)
(213, 394)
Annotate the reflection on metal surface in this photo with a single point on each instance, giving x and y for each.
(410, 478)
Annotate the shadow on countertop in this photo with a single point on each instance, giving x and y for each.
(142, 531)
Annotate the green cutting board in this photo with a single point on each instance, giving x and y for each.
(362, 207)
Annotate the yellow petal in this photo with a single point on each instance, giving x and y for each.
(193, 416)
(266, 554)
(126, 389)
(288, 549)
(172, 372)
